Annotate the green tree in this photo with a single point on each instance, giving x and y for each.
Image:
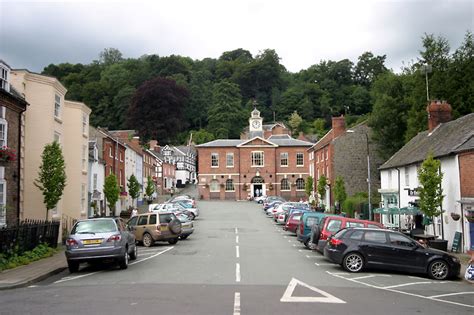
(430, 191)
(111, 191)
(51, 176)
(149, 189)
(110, 56)
(202, 136)
(295, 121)
(308, 186)
(157, 110)
(226, 112)
(322, 184)
(340, 194)
(133, 187)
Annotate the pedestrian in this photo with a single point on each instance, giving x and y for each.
(171, 192)
(134, 212)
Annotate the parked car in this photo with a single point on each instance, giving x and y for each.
(293, 221)
(184, 198)
(358, 248)
(307, 221)
(331, 224)
(182, 205)
(187, 227)
(100, 239)
(260, 199)
(271, 200)
(156, 226)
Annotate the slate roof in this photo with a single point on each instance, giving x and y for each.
(449, 138)
(280, 140)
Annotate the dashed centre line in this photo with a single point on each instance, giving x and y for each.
(237, 251)
(237, 272)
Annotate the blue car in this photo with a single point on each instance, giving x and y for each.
(308, 219)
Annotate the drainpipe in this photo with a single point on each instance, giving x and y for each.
(240, 179)
(441, 208)
(19, 166)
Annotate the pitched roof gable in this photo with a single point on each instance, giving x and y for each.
(258, 142)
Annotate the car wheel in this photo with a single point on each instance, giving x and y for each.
(353, 262)
(147, 240)
(134, 254)
(183, 237)
(73, 266)
(438, 270)
(123, 262)
(307, 244)
(173, 241)
(175, 226)
(192, 216)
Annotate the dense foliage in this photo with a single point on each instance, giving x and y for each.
(14, 259)
(51, 175)
(220, 92)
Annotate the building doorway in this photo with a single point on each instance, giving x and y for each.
(258, 186)
(257, 190)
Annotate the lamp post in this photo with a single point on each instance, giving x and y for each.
(368, 169)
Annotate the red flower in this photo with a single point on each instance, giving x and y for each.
(7, 154)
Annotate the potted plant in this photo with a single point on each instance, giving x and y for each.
(245, 186)
(455, 216)
(270, 186)
(7, 155)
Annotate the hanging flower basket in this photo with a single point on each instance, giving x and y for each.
(455, 216)
(245, 187)
(270, 187)
(7, 155)
(222, 185)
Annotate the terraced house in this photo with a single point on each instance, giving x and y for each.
(265, 161)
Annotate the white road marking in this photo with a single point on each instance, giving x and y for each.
(236, 231)
(313, 256)
(237, 272)
(405, 284)
(324, 264)
(237, 239)
(294, 245)
(285, 236)
(326, 298)
(93, 273)
(369, 276)
(237, 303)
(289, 241)
(450, 294)
(32, 286)
(338, 275)
(237, 252)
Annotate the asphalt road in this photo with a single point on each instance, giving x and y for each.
(237, 262)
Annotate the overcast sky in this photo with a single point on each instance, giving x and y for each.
(34, 34)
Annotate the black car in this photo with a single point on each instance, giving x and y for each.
(358, 248)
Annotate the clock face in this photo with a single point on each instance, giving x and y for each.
(256, 124)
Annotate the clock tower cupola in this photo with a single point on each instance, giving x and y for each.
(255, 121)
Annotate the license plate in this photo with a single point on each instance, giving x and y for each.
(91, 242)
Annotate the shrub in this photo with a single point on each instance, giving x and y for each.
(13, 260)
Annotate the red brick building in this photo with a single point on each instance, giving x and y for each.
(265, 161)
(12, 105)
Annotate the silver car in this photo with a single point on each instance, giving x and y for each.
(100, 239)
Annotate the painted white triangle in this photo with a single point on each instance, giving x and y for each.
(325, 298)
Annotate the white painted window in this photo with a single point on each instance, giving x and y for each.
(57, 137)
(299, 159)
(407, 176)
(389, 178)
(327, 153)
(285, 184)
(57, 106)
(83, 197)
(3, 133)
(230, 159)
(84, 157)
(110, 152)
(94, 182)
(214, 186)
(3, 198)
(229, 185)
(84, 123)
(284, 159)
(214, 159)
(3, 112)
(257, 158)
(300, 184)
(4, 79)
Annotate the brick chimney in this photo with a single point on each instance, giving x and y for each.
(338, 126)
(153, 144)
(438, 112)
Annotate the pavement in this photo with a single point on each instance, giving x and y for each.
(36, 271)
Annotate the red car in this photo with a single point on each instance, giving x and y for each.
(293, 222)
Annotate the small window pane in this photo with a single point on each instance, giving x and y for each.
(299, 159)
(357, 235)
(354, 224)
(284, 159)
(285, 184)
(300, 184)
(229, 185)
(312, 221)
(143, 220)
(153, 219)
(214, 160)
(376, 237)
(399, 240)
(230, 160)
(334, 226)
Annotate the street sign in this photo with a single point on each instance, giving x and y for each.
(325, 298)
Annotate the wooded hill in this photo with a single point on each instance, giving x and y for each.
(168, 97)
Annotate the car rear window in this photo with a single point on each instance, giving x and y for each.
(340, 233)
(374, 226)
(356, 235)
(94, 226)
(142, 220)
(166, 218)
(297, 217)
(334, 225)
(354, 224)
(310, 221)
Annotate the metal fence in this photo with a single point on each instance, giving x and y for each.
(27, 235)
